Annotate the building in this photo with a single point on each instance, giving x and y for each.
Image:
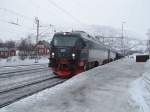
(42, 48)
(5, 52)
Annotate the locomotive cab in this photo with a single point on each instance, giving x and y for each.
(65, 54)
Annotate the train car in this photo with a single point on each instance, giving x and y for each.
(74, 52)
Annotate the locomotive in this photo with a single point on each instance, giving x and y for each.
(74, 52)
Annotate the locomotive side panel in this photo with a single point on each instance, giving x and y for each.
(98, 55)
(112, 55)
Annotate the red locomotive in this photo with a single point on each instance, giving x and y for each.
(74, 52)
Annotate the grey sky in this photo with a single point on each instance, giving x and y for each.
(136, 13)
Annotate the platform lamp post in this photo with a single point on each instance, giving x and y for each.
(122, 36)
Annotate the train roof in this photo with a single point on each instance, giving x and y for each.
(86, 37)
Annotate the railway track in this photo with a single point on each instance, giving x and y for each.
(12, 73)
(19, 83)
(22, 65)
(17, 69)
(14, 94)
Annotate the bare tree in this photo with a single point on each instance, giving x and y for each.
(1, 43)
(10, 44)
(25, 48)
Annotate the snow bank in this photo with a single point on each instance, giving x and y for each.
(102, 89)
(140, 90)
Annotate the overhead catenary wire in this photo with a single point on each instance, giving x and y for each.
(18, 14)
(64, 11)
(32, 19)
(15, 24)
(48, 9)
(16, 30)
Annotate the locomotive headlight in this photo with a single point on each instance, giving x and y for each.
(73, 55)
(53, 54)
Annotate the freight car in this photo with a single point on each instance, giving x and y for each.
(74, 52)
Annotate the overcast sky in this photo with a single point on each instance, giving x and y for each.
(136, 14)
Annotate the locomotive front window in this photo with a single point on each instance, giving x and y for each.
(65, 40)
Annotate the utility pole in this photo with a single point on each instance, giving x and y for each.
(37, 31)
(37, 38)
(148, 41)
(122, 42)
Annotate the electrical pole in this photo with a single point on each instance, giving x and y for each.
(37, 31)
(148, 41)
(37, 38)
(122, 42)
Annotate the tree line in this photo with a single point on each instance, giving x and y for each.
(8, 44)
(25, 46)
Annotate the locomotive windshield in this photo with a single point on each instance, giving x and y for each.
(65, 40)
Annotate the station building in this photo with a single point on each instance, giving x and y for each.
(42, 48)
(5, 52)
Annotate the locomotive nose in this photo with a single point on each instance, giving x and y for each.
(63, 53)
(65, 61)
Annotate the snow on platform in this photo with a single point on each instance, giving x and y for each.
(102, 89)
(140, 90)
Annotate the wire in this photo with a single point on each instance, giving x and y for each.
(64, 11)
(15, 13)
(44, 31)
(37, 6)
(18, 25)
(11, 23)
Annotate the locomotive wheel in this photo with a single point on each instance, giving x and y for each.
(86, 66)
(104, 62)
(96, 64)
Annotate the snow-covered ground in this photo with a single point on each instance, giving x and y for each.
(102, 89)
(12, 61)
(140, 90)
